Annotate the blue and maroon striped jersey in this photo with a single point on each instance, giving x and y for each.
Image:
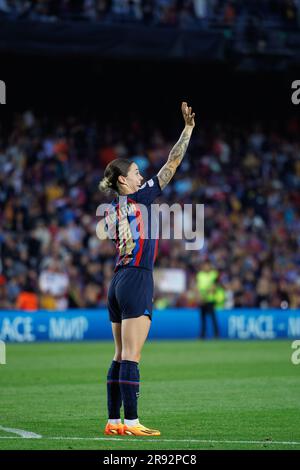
(133, 226)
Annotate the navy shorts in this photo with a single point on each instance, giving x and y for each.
(130, 294)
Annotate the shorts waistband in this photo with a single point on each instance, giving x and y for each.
(132, 267)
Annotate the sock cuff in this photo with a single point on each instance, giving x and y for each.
(114, 371)
(116, 363)
(129, 362)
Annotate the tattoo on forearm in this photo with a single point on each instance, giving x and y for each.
(165, 174)
(179, 149)
(175, 157)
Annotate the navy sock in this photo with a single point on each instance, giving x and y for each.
(114, 399)
(130, 387)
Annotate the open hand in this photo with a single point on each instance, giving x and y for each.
(188, 116)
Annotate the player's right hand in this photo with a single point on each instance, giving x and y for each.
(188, 116)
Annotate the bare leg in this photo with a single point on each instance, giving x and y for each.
(133, 337)
(116, 329)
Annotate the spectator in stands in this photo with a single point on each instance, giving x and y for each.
(27, 299)
(4, 303)
(229, 13)
(247, 178)
(54, 285)
(207, 283)
(238, 14)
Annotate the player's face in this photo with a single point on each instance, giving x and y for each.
(134, 178)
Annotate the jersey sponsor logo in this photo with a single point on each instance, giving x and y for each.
(150, 183)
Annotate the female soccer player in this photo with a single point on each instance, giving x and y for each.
(130, 294)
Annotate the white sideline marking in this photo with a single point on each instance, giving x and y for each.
(121, 439)
(22, 433)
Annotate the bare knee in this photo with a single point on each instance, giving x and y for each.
(131, 355)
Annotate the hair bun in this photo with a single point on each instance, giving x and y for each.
(105, 184)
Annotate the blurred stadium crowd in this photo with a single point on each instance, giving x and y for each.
(248, 177)
(179, 13)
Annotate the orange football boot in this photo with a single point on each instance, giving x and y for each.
(139, 430)
(113, 429)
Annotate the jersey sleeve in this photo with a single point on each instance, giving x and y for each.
(148, 192)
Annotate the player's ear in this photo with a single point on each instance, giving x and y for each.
(121, 179)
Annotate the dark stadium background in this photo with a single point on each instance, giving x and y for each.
(152, 88)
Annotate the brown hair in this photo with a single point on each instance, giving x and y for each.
(116, 168)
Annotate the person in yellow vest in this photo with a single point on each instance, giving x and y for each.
(220, 297)
(207, 285)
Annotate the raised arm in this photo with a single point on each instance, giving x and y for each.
(176, 155)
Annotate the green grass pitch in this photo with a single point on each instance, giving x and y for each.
(201, 395)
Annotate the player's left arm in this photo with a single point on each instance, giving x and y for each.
(177, 153)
